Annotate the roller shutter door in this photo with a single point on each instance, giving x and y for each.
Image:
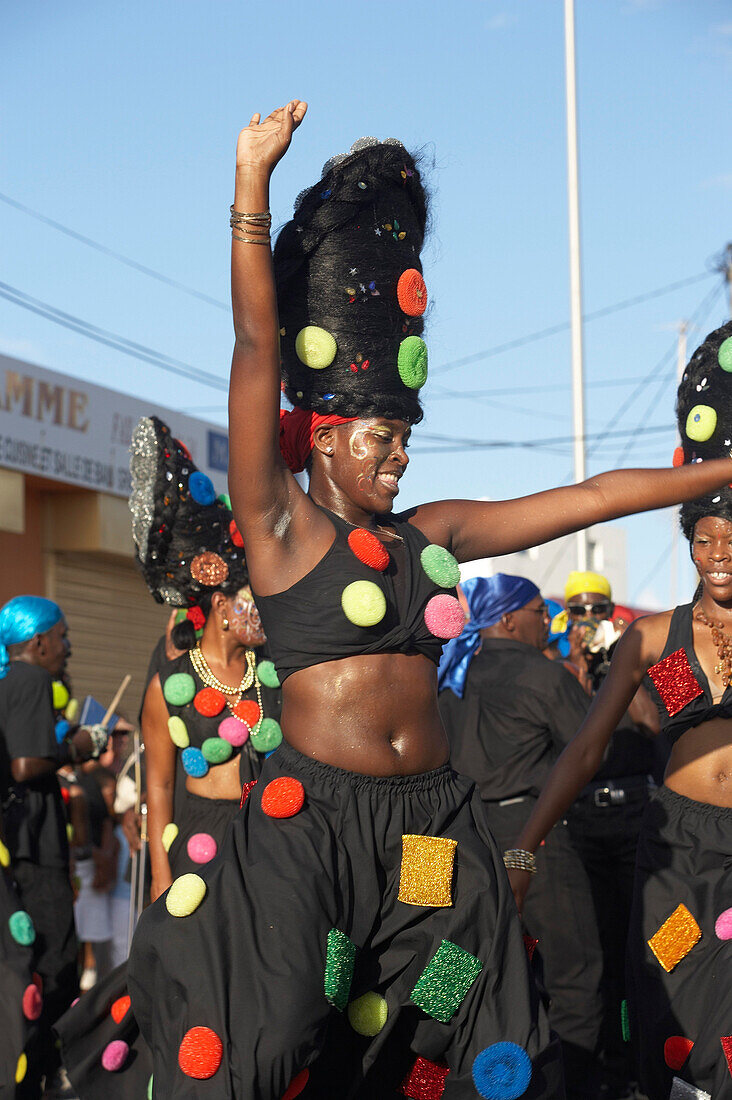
(114, 624)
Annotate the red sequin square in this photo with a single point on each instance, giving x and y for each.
(726, 1042)
(675, 682)
(530, 944)
(246, 791)
(425, 1080)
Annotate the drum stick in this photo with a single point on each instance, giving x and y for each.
(115, 702)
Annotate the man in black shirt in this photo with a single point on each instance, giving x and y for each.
(508, 716)
(34, 648)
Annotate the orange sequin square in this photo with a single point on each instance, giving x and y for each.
(675, 938)
(426, 876)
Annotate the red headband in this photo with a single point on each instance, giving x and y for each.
(297, 430)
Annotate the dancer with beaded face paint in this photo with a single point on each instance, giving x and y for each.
(356, 936)
(680, 944)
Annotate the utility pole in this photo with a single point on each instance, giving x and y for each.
(675, 512)
(722, 263)
(575, 266)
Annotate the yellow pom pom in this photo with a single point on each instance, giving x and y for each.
(315, 347)
(363, 602)
(170, 832)
(60, 695)
(21, 1069)
(178, 732)
(70, 832)
(185, 895)
(701, 423)
(367, 1015)
(71, 714)
(4, 855)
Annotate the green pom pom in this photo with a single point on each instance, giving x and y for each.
(178, 732)
(412, 362)
(179, 689)
(225, 499)
(440, 566)
(363, 603)
(170, 832)
(367, 1015)
(268, 736)
(724, 355)
(216, 750)
(185, 895)
(149, 1088)
(701, 423)
(21, 928)
(315, 347)
(267, 674)
(180, 615)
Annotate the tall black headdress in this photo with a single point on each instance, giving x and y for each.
(350, 291)
(704, 416)
(186, 541)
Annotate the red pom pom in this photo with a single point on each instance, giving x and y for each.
(246, 791)
(209, 702)
(32, 1002)
(248, 710)
(412, 293)
(368, 549)
(200, 1053)
(297, 1084)
(65, 795)
(120, 1008)
(678, 459)
(197, 617)
(283, 797)
(676, 1050)
(235, 534)
(38, 982)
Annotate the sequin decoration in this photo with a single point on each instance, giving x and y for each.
(209, 702)
(426, 872)
(412, 362)
(682, 1090)
(200, 1053)
(143, 468)
(201, 848)
(368, 1014)
(283, 797)
(625, 1021)
(209, 569)
(201, 488)
(675, 681)
(315, 347)
(339, 960)
(178, 732)
(724, 355)
(185, 895)
(268, 737)
(32, 1002)
(233, 731)
(368, 549)
(444, 617)
(445, 981)
(179, 689)
(425, 1080)
(120, 1008)
(502, 1071)
(412, 293)
(21, 928)
(440, 566)
(701, 423)
(194, 763)
(246, 790)
(297, 1084)
(170, 832)
(676, 1050)
(114, 1055)
(675, 938)
(363, 603)
(726, 1042)
(530, 944)
(216, 750)
(267, 674)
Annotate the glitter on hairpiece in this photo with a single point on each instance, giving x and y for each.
(209, 569)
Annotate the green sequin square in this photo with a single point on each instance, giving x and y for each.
(445, 981)
(339, 960)
(625, 1021)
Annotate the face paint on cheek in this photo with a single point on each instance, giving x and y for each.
(358, 445)
(245, 620)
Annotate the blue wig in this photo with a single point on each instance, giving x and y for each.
(21, 619)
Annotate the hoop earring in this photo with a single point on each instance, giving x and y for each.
(224, 623)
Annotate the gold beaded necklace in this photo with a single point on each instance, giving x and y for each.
(233, 695)
(723, 642)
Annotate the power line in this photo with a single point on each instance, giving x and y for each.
(114, 255)
(453, 443)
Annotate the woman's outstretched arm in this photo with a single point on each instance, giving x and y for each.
(481, 529)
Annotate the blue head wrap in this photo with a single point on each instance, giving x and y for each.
(21, 619)
(489, 599)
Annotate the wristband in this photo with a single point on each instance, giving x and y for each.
(519, 859)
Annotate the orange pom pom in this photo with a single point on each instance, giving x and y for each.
(678, 459)
(209, 702)
(200, 1053)
(283, 797)
(368, 549)
(235, 534)
(120, 1008)
(412, 293)
(249, 712)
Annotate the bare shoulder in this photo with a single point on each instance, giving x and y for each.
(651, 632)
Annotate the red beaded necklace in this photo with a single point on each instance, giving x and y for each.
(723, 642)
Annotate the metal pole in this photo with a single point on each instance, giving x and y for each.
(680, 368)
(575, 266)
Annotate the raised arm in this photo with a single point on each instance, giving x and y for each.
(481, 529)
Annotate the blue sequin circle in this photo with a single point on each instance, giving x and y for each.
(201, 488)
(194, 762)
(502, 1071)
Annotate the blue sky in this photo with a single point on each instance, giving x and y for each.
(120, 121)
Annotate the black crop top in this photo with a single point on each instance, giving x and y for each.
(678, 685)
(307, 624)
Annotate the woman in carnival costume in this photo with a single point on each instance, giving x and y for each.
(679, 949)
(356, 935)
(209, 716)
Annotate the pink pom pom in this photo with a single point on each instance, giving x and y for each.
(233, 730)
(201, 847)
(444, 616)
(32, 1002)
(115, 1055)
(723, 925)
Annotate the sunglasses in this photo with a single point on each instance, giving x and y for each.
(588, 608)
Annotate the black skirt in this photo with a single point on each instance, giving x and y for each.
(681, 983)
(355, 931)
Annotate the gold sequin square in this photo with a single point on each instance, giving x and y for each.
(426, 876)
(675, 938)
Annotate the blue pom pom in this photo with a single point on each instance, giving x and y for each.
(502, 1071)
(62, 728)
(194, 763)
(201, 488)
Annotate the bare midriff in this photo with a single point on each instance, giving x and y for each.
(371, 714)
(221, 781)
(700, 765)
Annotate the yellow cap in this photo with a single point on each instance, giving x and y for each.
(577, 583)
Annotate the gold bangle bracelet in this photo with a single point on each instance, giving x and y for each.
(251, 240)
(242, 214)
(519, 859)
